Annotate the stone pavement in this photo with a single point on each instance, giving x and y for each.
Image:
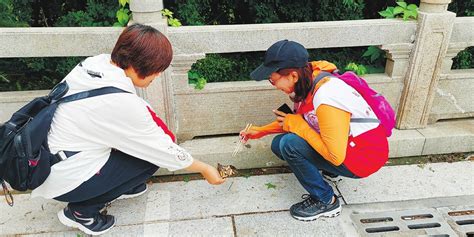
(413, 200)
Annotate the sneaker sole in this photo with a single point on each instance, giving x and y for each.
(333, 213)
(125, 196)
(70, 223)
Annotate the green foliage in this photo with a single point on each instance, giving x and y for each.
(197, 79)
(464, 59)
(3, 77)
(213, 12)
(8, 17)
(404, 10)
(35, 73)
(462, 7)
(227, 67)
(95, 13)
(270, 186)
(123, 14)
(373, 53)
(171, 20)
(359, 69)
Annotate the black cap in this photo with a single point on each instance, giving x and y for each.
(282, 54)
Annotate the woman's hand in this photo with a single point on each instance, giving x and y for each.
(290, 122)
(208, 172)
(250, 134)
(212, 176)
(280, 117)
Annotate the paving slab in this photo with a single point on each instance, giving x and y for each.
(236, 196)
(282, 224)
(174, 201)
(200, 227)
(195, 207)
(406, 182)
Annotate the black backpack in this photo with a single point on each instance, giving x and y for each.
(25, 159)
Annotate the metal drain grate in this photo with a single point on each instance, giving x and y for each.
(423, 222)
(460, 218)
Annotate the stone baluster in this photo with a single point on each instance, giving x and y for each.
(435, 25)
(453, 50)
(180, 65)
(397, 59)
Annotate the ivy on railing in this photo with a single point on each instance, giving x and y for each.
(171, 20)
(359, 69)
(402, 10)
(197, 79)
(123, 14)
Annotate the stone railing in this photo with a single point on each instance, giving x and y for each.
(417, 81)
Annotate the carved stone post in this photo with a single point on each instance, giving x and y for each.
(181, 65)
(157, 94)
(435, 25)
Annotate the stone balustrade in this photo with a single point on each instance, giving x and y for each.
(418, 80)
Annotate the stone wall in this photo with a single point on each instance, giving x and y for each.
(417, 81)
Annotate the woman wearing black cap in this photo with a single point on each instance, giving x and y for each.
(323, 134)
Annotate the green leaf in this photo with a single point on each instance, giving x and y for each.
(201, 82)
(388, 13)
(398, 10)
(406, 15)
(117, 24)
(186, 179)
(402, 4)
(174, 22)
(193, 75)
(270, 185)
(166, 12)
(361, 70)
(123, 16)
(414, 14)
(123, 2)
(412, 7)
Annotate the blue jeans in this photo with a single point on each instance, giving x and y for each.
(305, 163)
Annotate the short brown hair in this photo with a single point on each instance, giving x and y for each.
(144, 48)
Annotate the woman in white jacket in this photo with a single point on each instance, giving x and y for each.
(113, 143)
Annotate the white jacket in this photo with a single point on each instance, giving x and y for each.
(95, 125)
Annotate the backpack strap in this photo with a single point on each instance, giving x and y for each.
(364, 120)
(319, 77)
(324, 74)
(91, 93)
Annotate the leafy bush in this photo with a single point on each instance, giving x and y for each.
(35, 73)
(403, 10)
(94, 13)
(11, 17)
(464, 59)
(38, 73)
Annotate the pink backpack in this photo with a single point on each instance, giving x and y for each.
(376, 101)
